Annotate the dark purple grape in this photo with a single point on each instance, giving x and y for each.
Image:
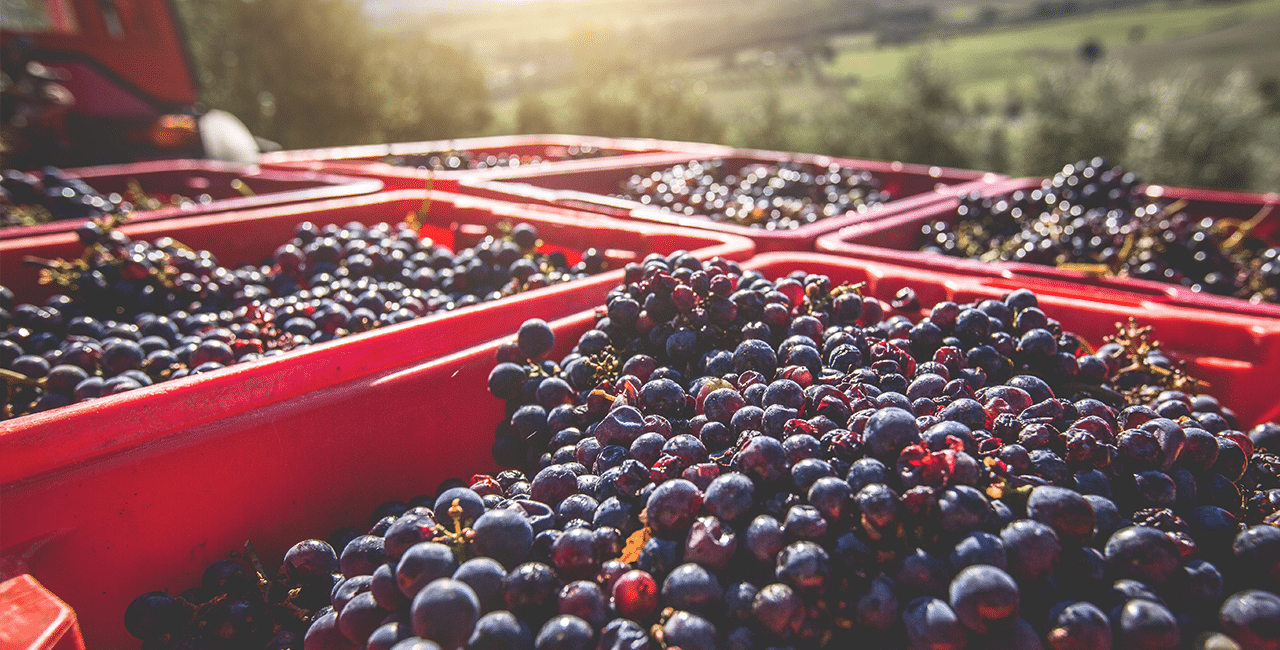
(1032, 549)
(1257, 555)
(1252, 618)
(405, 532)
(362, 555)
(535, 339)
(503, 535)
(360, 617)
(763, 460)
(1144, 554)
(889, 431)
(423, 563)
(154, 614)
(985, 599)
(804, 566)
(349, 588)
(310, 561)
(930, 623)
(325, 635)
(484, 576)
(531, 591)
(385, 590)
(778, 610)
(445, 611)
(500, 630)
(691, 587)
(764, 538)
(1146, 625)
(979, 548)
(1064, 510)
(387, 636)
(672, 507)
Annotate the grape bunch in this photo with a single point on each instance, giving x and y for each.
(725, 462)
(772, 196)
(457, 160)
(1091, 217)
(133, 313)
(27, 199)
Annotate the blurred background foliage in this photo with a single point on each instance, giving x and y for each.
(310, 73)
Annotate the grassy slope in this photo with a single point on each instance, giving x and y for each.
(987, 63)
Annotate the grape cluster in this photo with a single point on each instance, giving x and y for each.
(1091, 217)
(134, 313)
(773, 196)
(729, 462)
(27, 199)
(462, 159)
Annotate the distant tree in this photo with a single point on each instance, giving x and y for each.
(981, 106)
(997, 156)
(1091, 51)
(534, 115)
(826, 51)
(770, 126)
(1206, 132)
(315, 73)
(921, 124)
(1269, 89)
(424, 90)
(988, 16)
(1073, 115)
(1013, 102)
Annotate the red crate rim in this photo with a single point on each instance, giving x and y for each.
(156, 411)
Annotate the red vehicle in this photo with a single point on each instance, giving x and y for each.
(91, 82)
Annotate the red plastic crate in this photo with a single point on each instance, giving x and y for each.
(34, 443)
(1237, 355)
(586, 185)
(152, 516)
(35, 619)
(369, 160)
(191, 178)
(896, 239)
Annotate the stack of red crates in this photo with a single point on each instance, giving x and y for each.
(395, 164)
(897, 238)
(593, 184)
(109, 499)
(209, 187)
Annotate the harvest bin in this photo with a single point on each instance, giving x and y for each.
(530, 151)
(36, 442)
(588, 184)
(896, 238)
(35, 619)
(153, 514)
(192, 178)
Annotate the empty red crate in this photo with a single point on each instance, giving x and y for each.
(191, 178)
(588, 185)
(896, 238)
(529, 150)
(36, 442)
(1237, 355)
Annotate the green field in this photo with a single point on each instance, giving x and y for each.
(1216, 36)
(546, 48)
